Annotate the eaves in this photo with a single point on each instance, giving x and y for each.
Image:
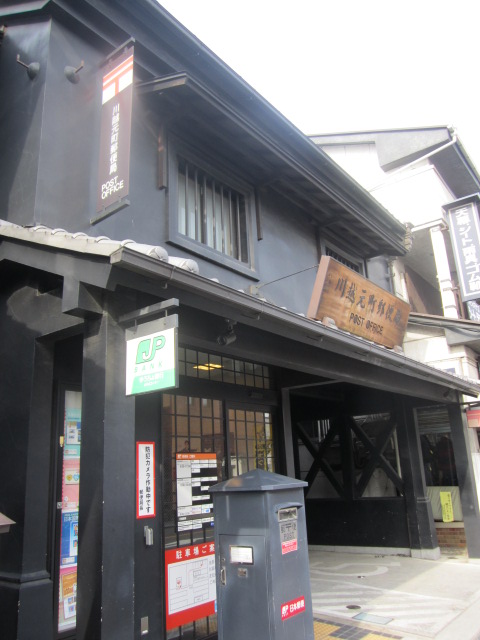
(84, 263)
(295, 167)
(279, 321)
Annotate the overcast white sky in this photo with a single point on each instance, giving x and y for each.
(350, 65)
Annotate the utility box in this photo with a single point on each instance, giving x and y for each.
(261, 555)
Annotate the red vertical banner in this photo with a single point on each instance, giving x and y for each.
(114, 160)
(145, 480)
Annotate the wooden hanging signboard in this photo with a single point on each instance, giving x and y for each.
(357, 305)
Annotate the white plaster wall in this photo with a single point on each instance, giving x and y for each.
(430, 346)
(414, 194)
(358, 160)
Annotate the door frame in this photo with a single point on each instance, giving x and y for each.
(58, 432)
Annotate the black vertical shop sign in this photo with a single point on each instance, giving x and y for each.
(114, 162)
(465, 234)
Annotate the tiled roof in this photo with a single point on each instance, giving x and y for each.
(93, 245)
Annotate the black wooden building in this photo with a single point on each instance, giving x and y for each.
(212, 199)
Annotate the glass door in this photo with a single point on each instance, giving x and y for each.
(250, 433)
(68, 489)
(193, 459)
(205, 441)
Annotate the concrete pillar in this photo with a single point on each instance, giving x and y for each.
(443, 272)
(105, 597)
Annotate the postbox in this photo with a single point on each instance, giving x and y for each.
(261, 557)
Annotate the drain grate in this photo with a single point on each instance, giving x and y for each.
(369, 617)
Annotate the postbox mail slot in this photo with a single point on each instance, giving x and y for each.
(290, 513)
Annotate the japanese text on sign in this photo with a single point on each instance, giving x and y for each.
(196, 472)
(114, 184)
(357, 305)
(465, 233)
(114, 161)
(145, 479)
(190, 583)
(288, 536)
(293, 608)
(447, 506)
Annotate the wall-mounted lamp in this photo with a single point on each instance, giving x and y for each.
(228, 336)
(5, 523)
(71, 73)
(32, 69)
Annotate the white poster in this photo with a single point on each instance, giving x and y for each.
(145, 479)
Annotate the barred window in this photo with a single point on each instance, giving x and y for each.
(211, 212)
(342, 259)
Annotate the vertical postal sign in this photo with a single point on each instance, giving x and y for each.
(152, 356)
(116, 124)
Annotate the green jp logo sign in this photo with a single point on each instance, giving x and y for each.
(148, 348)
(151, 362)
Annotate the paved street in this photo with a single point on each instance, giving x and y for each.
(397, 596)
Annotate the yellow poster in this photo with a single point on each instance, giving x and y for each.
(69, 584)
(447, 506)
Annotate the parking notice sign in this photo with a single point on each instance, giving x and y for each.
(190, 583)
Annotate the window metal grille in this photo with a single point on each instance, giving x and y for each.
(208, 366)
(193, 424)
(251, 441)
(211, 212)
(339, 258)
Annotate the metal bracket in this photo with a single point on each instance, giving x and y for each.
(122, 47)
(147, 313)
(148, 535)
(32, 69)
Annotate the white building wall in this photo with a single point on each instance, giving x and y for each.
(358, 160)
(414, 194)
(431, 347)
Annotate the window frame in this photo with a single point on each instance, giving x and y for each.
(325, 244)
(179, 150)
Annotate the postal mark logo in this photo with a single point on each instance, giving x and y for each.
(148, 348)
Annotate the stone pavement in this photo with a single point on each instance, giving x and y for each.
(375, 596)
